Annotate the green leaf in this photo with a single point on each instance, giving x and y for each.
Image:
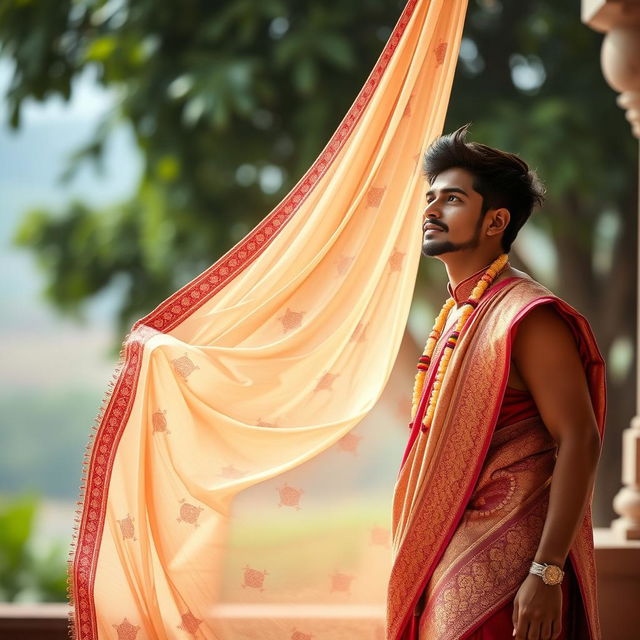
(336, 49)
(101, 49)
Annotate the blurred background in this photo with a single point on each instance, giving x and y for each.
(141, 139)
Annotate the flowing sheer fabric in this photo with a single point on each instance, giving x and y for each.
(207, 510)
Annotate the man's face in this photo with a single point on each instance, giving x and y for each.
(452, 219)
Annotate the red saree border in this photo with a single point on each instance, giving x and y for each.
(118, 401)
(415, 428)
(397, 628)
(529, 513)
(188, 298)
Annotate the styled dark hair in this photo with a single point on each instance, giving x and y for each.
(502, 179)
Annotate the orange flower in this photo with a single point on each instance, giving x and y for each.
(485, 281)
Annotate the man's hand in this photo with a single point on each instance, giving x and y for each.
(537, 610)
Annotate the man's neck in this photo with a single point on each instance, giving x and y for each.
(461, 266)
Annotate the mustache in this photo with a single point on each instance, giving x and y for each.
(435, 223)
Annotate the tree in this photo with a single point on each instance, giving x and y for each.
(231, 101)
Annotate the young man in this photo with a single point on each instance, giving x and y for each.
(491, 515)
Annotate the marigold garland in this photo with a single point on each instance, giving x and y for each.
(423, 363)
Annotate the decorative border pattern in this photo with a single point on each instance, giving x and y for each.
(187, 299)
(119, 398)
(500, 564)
(449, 485)
(410, 575)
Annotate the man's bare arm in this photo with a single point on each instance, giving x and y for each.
(546, 357)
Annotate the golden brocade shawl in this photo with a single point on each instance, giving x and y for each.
(214, 502)
(470, 502)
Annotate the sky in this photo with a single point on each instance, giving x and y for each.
(31, 161)
(51, 365)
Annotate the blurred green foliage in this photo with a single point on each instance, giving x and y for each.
(230, 101)
(28, 573)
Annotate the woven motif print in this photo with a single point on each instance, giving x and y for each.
(446, 485)
(489, 554)
(456, 441)
(126, 630)
(479, 585)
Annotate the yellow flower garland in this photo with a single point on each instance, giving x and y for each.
(423, 364)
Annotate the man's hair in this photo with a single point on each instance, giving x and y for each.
(502, 179)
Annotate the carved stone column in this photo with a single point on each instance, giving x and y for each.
(618, 547)
(627, 501)
(620, 60)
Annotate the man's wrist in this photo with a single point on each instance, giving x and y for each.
(551, 574)
(549, 559)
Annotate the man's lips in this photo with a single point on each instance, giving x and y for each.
(432, 227)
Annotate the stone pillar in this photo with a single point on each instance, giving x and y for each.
(620, 60)
(627, 501)
(618, 547)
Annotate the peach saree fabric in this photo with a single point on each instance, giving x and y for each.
(262, 362)
(470, 502)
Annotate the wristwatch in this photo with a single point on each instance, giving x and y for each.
(550, 573)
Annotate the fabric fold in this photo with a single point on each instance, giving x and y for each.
(260, 366)
(455, 559)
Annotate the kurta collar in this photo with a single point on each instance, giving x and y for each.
(463, 289)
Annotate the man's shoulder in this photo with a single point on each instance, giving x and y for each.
(529, 298)
(518, 298)
(525, 288)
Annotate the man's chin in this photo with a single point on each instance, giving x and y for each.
(435, 249)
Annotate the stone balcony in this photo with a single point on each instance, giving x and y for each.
(618, 565)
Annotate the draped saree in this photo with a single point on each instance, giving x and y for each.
(470, 501)
(192, 522)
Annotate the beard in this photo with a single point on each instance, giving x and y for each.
(431, 248)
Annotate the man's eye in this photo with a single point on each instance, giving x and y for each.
(454, 197)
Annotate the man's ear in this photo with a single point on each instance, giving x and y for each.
(498, 220)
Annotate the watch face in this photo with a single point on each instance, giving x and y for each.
(552, 575)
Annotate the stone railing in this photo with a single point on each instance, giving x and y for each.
(34, 621)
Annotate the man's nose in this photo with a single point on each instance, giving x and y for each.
(431, 208)
(430, 211)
